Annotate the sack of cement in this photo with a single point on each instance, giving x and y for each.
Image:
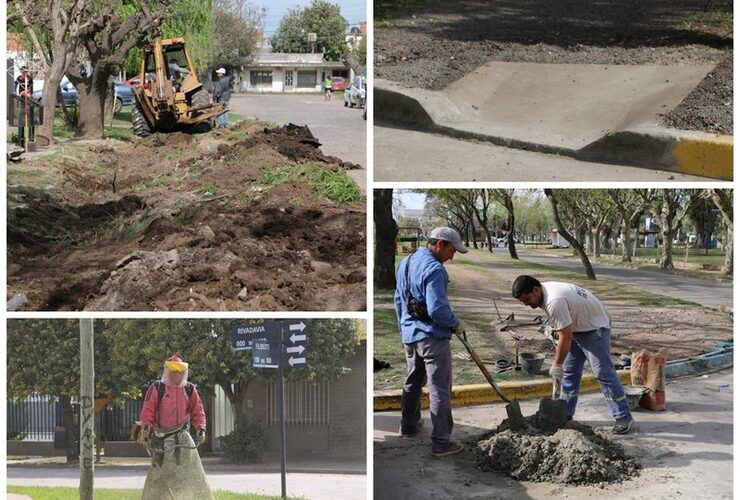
(648, 371)
(176, 471)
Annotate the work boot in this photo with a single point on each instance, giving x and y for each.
(624, 425)
(450, 448)
(409, 433)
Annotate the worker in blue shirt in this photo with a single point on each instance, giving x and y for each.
(426, 324)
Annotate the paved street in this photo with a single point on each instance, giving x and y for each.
(708, 293)
(683, 450)
(407, 155)
(341, 131)
(309, 486)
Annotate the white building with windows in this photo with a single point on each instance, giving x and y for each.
(280, 72)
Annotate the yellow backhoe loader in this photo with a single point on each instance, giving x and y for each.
(169, 96)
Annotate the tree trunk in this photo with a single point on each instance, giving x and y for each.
(728, 267)
(92, 109)
(45, 136)
(626, 240)
(510, 238)
(70, 429)
(384, 273)
(666, 252)
(568, 237)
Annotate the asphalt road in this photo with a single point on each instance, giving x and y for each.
(686, 451)
(706, 292)
(407, 155)
(341, 131)
(309, 486)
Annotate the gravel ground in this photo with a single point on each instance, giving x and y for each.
(431, 44)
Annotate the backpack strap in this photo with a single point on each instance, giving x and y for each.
(189, 388)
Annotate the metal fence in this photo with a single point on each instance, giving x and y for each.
(39, 418)
(306, 403)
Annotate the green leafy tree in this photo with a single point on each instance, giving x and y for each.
(723, 200)
(140, 346)
(238, 26)
(321, 17)
(44, 359)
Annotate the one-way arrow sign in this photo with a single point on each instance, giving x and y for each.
(297, 327)
(297, 349)
(296, 361)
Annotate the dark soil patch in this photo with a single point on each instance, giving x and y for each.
(574, 454)
(431, 44)
(709, 106)
(191, 226)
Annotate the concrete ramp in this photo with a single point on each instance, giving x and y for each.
(566, 105)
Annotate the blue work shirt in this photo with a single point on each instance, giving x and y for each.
(429, 280)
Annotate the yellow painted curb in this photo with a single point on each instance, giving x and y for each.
(477, 394)
(710, 157)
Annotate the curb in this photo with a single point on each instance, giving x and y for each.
(686, 152)
(225, 468)
(476, 394)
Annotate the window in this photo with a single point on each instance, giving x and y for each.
(306, 403)
(260, 78)
(306, 79)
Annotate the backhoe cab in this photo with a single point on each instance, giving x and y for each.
(171, 98)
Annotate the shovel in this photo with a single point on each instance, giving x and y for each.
(513, 411)
(552, 413)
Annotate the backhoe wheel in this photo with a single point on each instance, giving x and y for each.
(201, 98)
(141, 127)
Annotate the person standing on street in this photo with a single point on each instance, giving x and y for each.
(24, 83)
(426, 324)
(327, 88)
(222, 93)
(583, 328)
(171, 405)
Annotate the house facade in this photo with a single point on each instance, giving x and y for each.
(280, 72)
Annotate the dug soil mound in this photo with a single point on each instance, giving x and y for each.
(251, 219)
(574, 454)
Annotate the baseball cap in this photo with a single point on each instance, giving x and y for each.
(221, 70)
(449, 235)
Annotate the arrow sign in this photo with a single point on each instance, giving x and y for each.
(297, 327)
(297, 338)
(298, 349)
(296, 361)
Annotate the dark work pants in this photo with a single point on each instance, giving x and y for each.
(429, 360)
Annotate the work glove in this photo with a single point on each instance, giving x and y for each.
(460, 328)
(200, 437)
(556, 372)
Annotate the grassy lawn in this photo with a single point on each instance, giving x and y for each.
(645, 259)
(65, 493)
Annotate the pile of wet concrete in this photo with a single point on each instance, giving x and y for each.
(574, 454)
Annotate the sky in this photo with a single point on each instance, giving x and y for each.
(412, 200)
(353, 11)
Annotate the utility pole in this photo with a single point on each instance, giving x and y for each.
(87, 408)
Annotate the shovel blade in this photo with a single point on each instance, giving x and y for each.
(514, 413)
(552, 414)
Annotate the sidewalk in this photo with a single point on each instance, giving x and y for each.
(684, 451)
(212, 464)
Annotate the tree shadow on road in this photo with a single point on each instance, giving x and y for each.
(603, 23)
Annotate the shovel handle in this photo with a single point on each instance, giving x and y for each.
(476, 359)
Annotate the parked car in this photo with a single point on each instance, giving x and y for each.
(355, 94)
(338, 84)
(124, 95)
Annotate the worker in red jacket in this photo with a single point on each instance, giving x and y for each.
(171, 405)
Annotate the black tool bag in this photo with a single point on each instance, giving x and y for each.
(416, 308)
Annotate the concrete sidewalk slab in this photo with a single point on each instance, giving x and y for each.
(606, 113)
(686, 451)
(567, 105)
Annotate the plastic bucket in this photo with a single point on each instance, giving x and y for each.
(531, 361)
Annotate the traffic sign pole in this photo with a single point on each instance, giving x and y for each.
(281, 382)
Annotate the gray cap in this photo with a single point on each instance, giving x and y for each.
(449, 235)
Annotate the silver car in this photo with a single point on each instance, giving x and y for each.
(355, 93)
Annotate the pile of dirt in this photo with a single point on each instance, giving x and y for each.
(194, 223)
(431, 44)
(574, 454)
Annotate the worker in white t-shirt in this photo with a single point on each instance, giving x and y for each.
(584, 333)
